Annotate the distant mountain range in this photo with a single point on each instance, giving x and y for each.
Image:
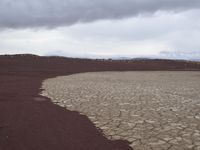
(34, 63)
(195, 60)
(106, 58)
(149, 58)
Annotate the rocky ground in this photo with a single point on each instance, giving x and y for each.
(152, 110)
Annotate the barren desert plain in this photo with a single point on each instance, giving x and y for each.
(152, 110)
(80, 104)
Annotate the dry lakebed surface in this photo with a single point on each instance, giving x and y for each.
(152, 110)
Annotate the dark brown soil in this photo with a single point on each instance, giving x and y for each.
(32, 122)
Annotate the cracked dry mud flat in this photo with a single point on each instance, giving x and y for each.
(152, 110)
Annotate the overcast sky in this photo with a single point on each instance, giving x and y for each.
(101, 28)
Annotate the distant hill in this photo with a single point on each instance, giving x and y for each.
(29, 62)
(195, 60)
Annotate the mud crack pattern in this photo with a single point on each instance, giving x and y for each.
(152, 110)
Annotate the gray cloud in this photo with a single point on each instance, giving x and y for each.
(54, 13)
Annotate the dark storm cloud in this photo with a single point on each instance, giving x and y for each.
(54, 13)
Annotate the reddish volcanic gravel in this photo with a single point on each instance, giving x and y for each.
(32, 122)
